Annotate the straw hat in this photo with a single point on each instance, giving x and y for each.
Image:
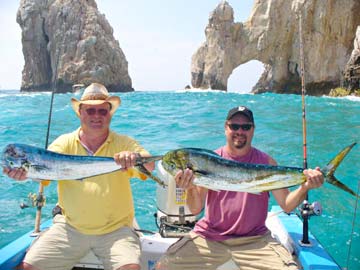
(96, 94)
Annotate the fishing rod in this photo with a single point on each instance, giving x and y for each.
(40, 199)
(305, 209)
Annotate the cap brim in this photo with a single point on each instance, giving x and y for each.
(115, 102)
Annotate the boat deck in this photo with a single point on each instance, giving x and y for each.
(286, 228)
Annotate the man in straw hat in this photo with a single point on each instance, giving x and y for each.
(96, 214)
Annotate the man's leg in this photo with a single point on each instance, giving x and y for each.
(260, 253)
(193, 252)
(60, 247)
(119, 249)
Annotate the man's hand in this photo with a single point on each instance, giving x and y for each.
(126, 159)
(314, 178)
(184, 179)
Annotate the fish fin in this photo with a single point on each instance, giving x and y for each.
(207, 187)
(332, 180)
(143, 176)
(213, 189)
(201, 172)
(48, 181)
(38, 167)
(143, 170)
(45, 183)
(331, 167)
(253, 192)
(217, 190)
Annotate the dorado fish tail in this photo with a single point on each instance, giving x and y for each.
(143, 170)
(140, 167)
(332, 180)
(142, 160)
(331, 167)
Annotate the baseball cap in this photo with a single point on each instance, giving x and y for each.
(243, 110)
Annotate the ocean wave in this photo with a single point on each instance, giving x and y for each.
(199, 90)
(351, 98)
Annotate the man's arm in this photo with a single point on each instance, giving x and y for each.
(288, 201)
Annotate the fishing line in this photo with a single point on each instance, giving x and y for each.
(353, 226)
(52, 99)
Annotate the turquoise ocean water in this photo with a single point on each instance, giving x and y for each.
(163, 121)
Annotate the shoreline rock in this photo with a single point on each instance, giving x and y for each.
(71, 42)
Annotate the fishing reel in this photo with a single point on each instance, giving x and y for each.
(307, 210)
(34, 200)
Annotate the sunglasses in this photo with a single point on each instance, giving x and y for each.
(92, 111)
(244, 127)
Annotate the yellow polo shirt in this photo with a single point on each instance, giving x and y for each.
(103, 203)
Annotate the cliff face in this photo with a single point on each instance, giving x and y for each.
(271, 35)
(71, 42)
(352, 69)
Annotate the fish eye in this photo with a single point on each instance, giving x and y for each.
(172, 166)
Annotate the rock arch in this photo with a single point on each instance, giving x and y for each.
(271, 36)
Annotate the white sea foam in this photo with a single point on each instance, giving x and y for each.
(352, 98)
(199, 90)
(208, 90)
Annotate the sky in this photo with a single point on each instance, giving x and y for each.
(158, 38)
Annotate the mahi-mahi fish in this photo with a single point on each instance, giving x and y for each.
(214, 172)
(43, 164)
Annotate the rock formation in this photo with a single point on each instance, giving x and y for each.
(352, 69)
(271, 35)
(69, 42)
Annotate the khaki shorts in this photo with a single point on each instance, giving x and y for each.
(256, 252)
(62, 246)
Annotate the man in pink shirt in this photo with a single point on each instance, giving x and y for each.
(233, 227)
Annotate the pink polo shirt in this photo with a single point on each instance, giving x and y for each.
(230, 214)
